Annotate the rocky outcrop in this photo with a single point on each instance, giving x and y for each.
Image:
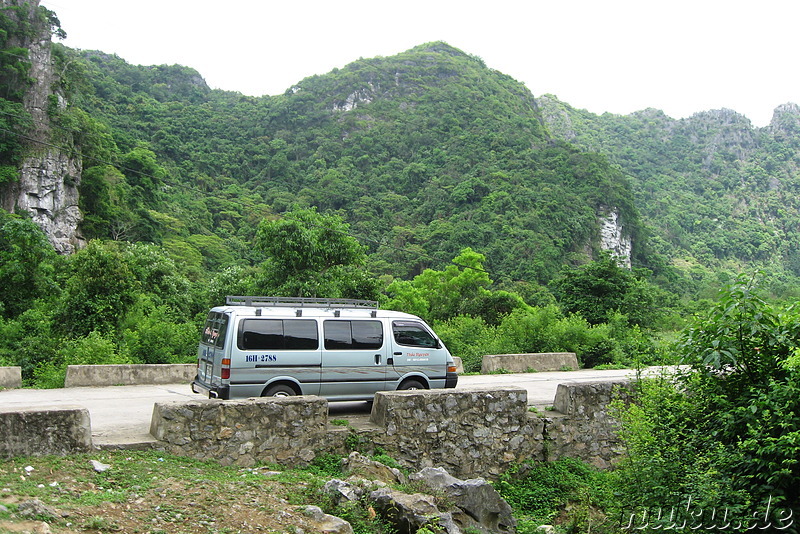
(49, 177)
(614, 240)
(443, 504)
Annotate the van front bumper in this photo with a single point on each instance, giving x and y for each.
(212, 392)
(451, 380)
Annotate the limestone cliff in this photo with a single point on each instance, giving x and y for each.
(49, 176)
(614, 240)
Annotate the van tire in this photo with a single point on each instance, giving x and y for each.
(411, 384)
(280, 390)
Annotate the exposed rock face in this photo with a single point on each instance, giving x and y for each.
(785, 120)
(614, 240)
(49, 177)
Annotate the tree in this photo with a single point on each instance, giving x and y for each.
(99, 291)
(460, 289)
(27, 265)
(312, 255)
(600, 288)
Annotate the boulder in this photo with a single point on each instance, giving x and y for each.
(480, 506)
(409, 513)
(359, 464)
(324, 523)
(342, 491)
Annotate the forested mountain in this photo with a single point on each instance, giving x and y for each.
(424, 153)
(717, 193)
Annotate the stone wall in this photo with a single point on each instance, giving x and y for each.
(467, 431)
(39, 432)
(582, 423)
(285, 430)
(470, 432)
(524, 363)
(129, 375)
(10, 377)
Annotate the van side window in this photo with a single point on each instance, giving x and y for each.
(413, 335)
(278, 334)
(215, 329)
(349, 335)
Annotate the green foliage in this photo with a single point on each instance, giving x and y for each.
(716, 194)
(328, 465)
(95, 348)
(155, 335)
(602, 287)
(29, 340)
(538, 491)
(454, 156)
(100, 289)
(725, 433)
(461, 289)
(311, 255)
(27, 265)
(546, 329)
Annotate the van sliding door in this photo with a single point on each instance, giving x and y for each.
(353, 359)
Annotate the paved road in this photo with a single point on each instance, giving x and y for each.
(121, 414)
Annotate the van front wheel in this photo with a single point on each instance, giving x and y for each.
(411, 384)
(280, 390)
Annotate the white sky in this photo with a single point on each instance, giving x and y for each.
(680, 56)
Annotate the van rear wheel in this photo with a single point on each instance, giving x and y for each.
(280, 390)
(411, 384)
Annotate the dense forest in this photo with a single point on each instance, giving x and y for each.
(441, 187)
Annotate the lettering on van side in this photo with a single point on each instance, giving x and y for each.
(418, 356)
(253, 358)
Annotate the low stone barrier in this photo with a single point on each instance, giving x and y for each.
(10, 377)
(466, 431)
(470, 432)
(59, 430)
(523, 363)
(285, 430)
(129, 375)
(582, 423)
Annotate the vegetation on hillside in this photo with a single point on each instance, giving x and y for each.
(439, 187)
(717, 195)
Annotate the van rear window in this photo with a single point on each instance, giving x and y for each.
(350, 335)
(278, 334)
(215, 329)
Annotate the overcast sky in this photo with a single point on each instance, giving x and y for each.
(681, 56)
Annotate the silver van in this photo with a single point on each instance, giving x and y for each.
(340, 349)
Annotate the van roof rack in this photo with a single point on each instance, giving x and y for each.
(300, 302)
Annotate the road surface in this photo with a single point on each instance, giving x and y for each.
(120, 415)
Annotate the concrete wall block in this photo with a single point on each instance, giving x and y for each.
(10, 377)
(128, 375)
(60, 430)
(522, 363)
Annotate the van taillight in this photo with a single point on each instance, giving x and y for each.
(226, 368)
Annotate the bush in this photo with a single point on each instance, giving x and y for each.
(538, 491)
(94, 349)
(724, 434)
(469, 338)
(152, 337)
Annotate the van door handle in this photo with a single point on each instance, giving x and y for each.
(398, 353)
(377, 359)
